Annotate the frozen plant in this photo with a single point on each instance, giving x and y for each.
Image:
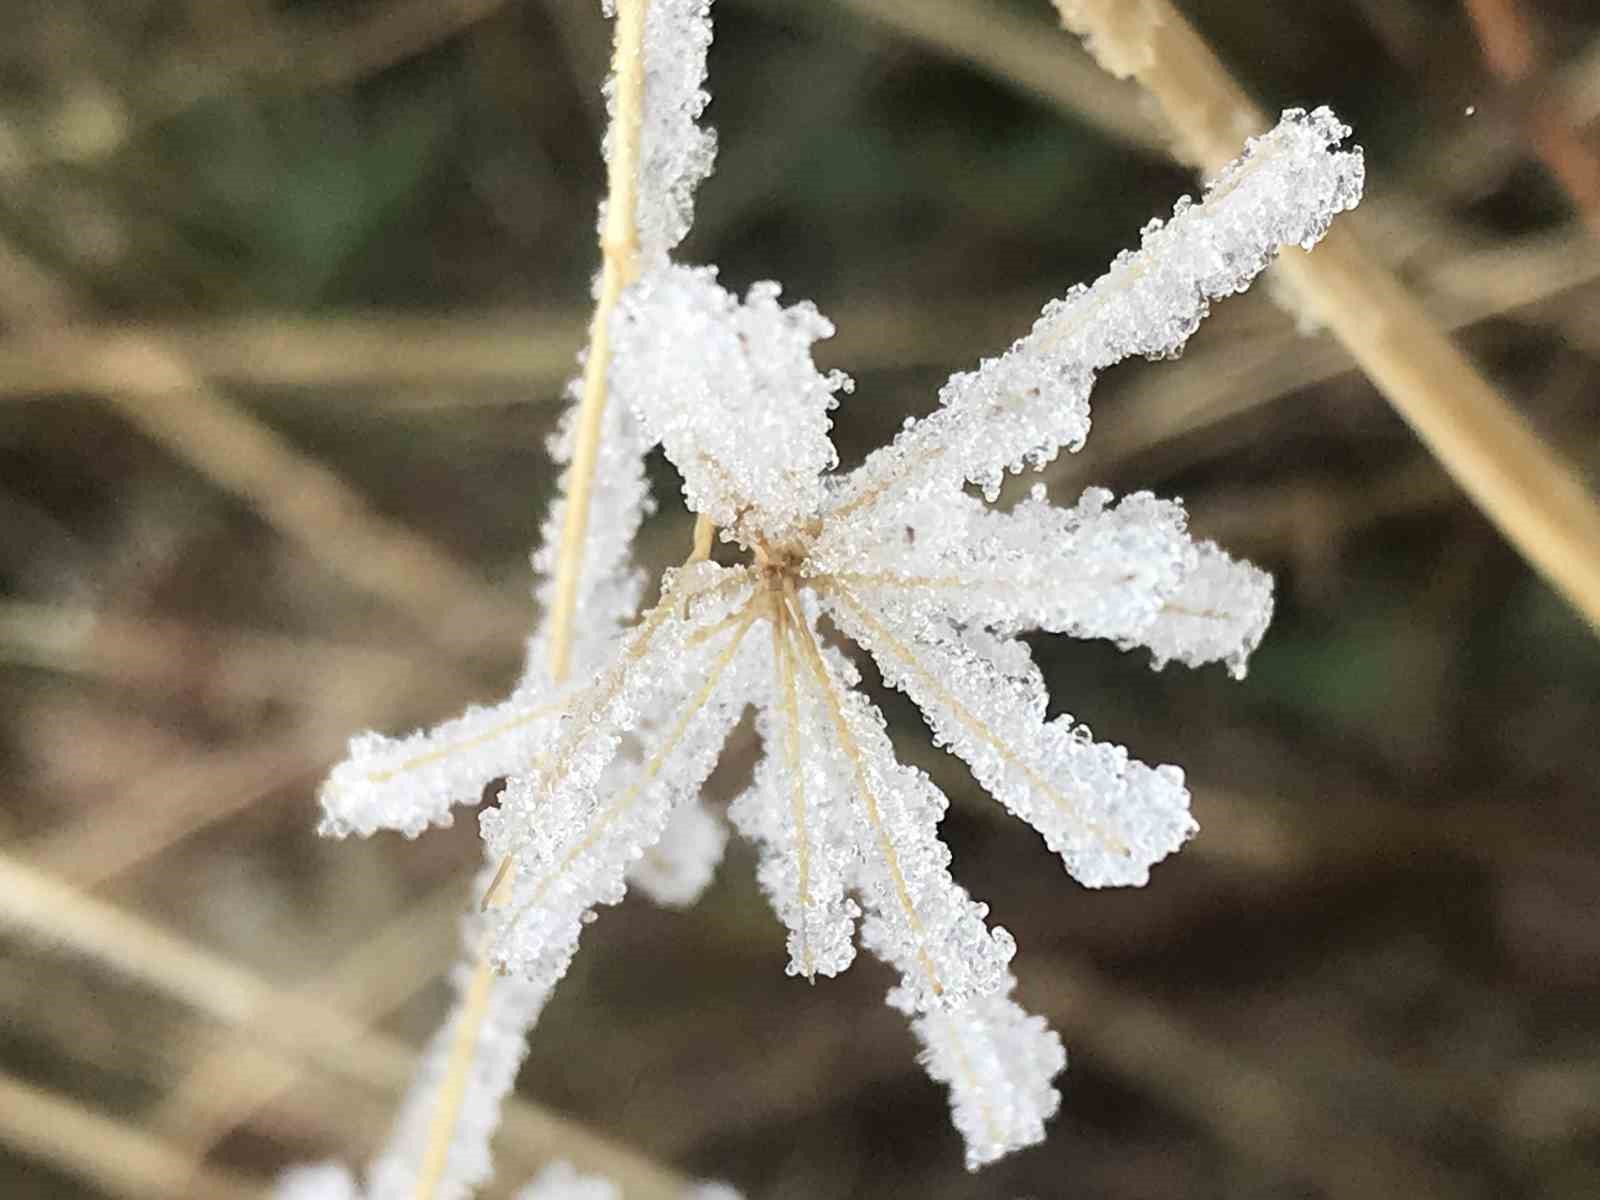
(935, 585)
(603, 779)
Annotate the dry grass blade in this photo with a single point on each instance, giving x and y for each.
(225, 1083)
(1534, 496)
(157, 389)
(994, 41)
(116, 1159)
(54, 914)
(1270, 1121)
(156, 811)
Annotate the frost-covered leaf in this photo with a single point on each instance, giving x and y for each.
(792, 812)
(730, 391)
(1109, 816)
(999, 1062)
(1021, 408)
(1098, 569)
(917, 916)
(572, 828)
(1219, 613)
(409, 783)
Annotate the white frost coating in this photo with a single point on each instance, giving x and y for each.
(675, 152)
(502, 1043)
(793, 787)
(1219, 613)
(1108, 816)
(676, 871)
(322, 1181)
(933, 584)
(409, 783)
(915, 912)
(730, 391)
(571, 828)
(563, 1181)
(1097, 569)
(1021, 408)
(609, 584)
(999, 1062)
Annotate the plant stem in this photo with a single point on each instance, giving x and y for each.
(1525, 487)
(619, 255)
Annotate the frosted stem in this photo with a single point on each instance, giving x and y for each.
(442, 1128)
(619, 255)
(619, 249)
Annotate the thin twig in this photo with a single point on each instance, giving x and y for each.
(1524, 486)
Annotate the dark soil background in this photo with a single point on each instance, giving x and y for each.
(366, 230)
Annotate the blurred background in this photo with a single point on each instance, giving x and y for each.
(290, 291)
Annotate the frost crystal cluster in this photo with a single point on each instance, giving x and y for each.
(934, 583)
(558, 1181)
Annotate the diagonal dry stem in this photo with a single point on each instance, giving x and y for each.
(1531, 493)
(54, 914)
(156, 388)
(117, 1159)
